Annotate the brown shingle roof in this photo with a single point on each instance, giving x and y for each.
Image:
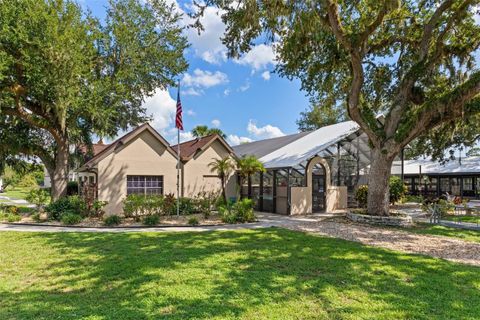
(189, 148)
(96, 148)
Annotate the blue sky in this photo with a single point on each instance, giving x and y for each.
(244, 98)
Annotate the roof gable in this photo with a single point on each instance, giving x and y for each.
(189, 149)
(124, 140)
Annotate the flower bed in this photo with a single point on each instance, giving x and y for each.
(182, 220)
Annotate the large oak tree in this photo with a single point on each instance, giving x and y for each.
(412, 61)
(65, 75)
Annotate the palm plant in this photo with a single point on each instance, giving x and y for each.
(223, 168)
(202, 131)
(248, 166)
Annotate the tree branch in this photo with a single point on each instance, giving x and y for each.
(336, 24)
(429, 27)
(30, 119)
(461, 101)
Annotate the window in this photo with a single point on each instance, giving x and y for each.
(468, 184)
(144, 185)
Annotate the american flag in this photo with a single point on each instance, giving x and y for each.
(178, 118)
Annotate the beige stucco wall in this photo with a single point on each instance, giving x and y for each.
(301, 197)
(144, 155)
(336, 198)
(197, 176)
(301, 200)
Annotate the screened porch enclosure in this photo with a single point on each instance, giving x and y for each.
(432, 186)
(345, 164)
(459, 177)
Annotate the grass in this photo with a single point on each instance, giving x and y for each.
(462, 218)
(17, 193)
(253, 274)
(433, 229)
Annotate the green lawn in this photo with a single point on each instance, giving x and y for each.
(425, 228)
(17, 193)
(256, 274)
(462, 218)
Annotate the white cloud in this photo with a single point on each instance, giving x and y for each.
(235, 140)
(226, 92)
(192, 92)
(191, 113)
(259, 57)
(204, 79)
(162, 107)
(264, 132)
(216, 123)
(245, 87)
(185, 136)
(266, 75)
(171, 136)
(207, 45)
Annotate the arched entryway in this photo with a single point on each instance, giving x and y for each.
(319, 188)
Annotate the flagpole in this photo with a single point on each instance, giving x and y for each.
(178, 171)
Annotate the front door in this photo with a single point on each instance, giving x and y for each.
(318, 191)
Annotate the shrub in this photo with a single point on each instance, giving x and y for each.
(169, 204)
(361, 195)
(96, 209)
(112, 220)
(9, 217)
(397, 192)
(193, 221)
(36, 217)
(28, 181)
(239, 212)
(72, 188)
(186, 206)
(133, 205)
(71, 204)
(39, 197)
(397, 189)
(13, 217)
(12, 209)
(152, 220)
(70, 218)
(205, 202)
(137, 205)
(153, 205)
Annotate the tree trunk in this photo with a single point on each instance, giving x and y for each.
(224, 192)
(378, 188)
(59, 178)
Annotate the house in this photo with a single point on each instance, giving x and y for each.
(143, 162)
(72, 173)
(307, 172)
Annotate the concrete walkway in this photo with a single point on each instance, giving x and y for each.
(325, 225)
(9, 201)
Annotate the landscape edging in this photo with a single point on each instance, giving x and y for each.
(395, 221)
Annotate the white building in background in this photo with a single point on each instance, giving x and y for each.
(47, 182)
